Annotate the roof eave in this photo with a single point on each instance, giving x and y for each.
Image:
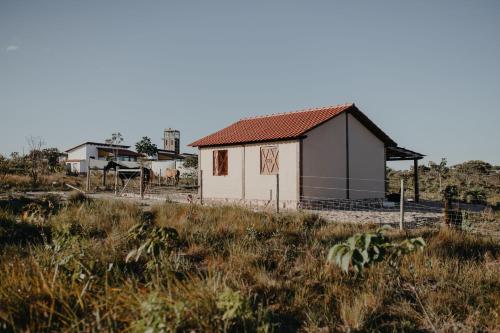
(292, 138)
(95, 144)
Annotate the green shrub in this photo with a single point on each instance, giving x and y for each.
(362, 250)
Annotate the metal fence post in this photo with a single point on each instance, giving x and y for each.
(277, 193)
(401, 205)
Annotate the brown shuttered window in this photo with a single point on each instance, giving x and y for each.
(269, 160)
(220, 162)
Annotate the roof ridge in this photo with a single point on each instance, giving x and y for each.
(299, 111)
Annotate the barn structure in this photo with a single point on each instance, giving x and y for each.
(333, 152)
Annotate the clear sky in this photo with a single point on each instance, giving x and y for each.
(427, 72)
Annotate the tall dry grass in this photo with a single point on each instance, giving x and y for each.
(231, 269)
(50, 182)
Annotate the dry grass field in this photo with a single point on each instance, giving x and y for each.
(111, 266)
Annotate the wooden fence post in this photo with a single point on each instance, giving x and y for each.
(116, 179)
(200, 181)
(141, 184)
(401, 205)
(277, 193)
(88, 176)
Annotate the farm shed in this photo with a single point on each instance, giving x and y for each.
(333, 152)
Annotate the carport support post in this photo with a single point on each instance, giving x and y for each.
(277, 193)
(415, 180)
(401, 205)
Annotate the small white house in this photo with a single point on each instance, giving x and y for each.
(325, 153)
(79, 155)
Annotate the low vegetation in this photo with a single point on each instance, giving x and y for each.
(477, 182)
(110, 266)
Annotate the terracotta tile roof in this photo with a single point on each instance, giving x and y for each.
(272, 127)
(281, 126)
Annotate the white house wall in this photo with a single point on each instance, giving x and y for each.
(324, 160)
(259, 187)
(366, 162)
(160, 167)
(84, 153)
(244, 181)
(222, 187)
(78, 154)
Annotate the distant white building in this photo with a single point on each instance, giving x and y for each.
(79, 155)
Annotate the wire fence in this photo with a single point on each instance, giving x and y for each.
(341, 199)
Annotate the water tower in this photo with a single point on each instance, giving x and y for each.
(172, 140)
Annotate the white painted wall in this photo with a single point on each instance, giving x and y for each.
(244, 181)
(158, 166)
(324, 160)
(366, 162)
(222, 187)
(257, 186)
(82, 154)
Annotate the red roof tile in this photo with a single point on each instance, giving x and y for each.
(272, 127)
(281, 126)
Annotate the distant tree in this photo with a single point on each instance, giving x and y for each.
(145, 146)
(35, 158)
(440, 169)
(474, 167)
(51, 155)
(18, 164)
(4, 167)
(191, 162)
(114, 141)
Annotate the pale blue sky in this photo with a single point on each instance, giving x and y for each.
(427, 72)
